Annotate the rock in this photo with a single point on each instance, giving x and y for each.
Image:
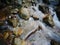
(48, 20)
(58, 12)
(18, 41)
(14, 11)
(43, 8)
(6, 34)
(13, 21)
(17, 31)
(46, 1)
(24, 13)
(1, 36)
(54, 42)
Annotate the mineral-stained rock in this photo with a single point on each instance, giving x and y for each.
(17, 31)
(24, 13)
(13, 21)
(6, 34)
(48, 20)
(18, 41)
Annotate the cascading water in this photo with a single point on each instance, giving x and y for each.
(35, 21)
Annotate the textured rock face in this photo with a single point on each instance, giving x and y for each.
(29, 22)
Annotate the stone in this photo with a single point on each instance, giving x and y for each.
(24, 13)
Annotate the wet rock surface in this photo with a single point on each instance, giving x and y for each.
(29, 22)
